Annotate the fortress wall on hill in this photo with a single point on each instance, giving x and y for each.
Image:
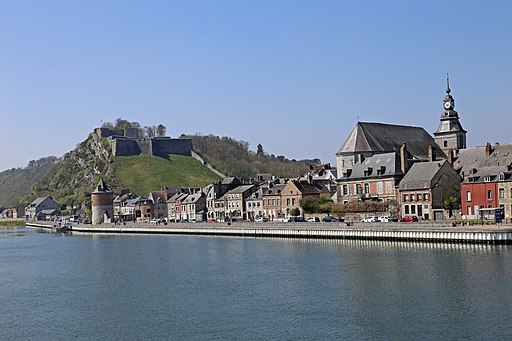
(165, 145)
(125, 147)
(155, 146)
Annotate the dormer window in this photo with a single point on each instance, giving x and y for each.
(487, 178)
(502, 176)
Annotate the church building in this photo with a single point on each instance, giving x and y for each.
(376, 156)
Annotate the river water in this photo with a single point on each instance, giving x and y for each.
(140, 287)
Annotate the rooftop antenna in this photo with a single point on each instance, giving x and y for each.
(358, 118)
(448, 83)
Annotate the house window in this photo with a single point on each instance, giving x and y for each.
(388, 187)
(468, 210)
(425, 196)
(366, 188)
(293, 201)
(287, 201)
(487, 178)
(489, 194)
(445, 143)
(406, 209)
(359, 189)
(501, 193)
(345, 190)
(379, 187)
(468, 195)
(413, 197)
(264, 202)
(413, 209)
(406, 197)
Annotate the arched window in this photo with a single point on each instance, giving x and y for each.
(445, 143)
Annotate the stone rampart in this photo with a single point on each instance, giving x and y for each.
(166, 145)
(125, 147)
(151, 146)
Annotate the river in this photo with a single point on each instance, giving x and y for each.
(150, 287)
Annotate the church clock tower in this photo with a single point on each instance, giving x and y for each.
(450, 136)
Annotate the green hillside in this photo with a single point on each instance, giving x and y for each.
(16, 183)
(145, 173)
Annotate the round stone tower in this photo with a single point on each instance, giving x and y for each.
(102, 204)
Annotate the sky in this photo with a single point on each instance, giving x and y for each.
(293, 75)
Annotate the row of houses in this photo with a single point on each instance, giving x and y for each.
(228, 200)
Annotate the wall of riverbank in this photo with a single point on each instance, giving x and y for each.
(445, 234)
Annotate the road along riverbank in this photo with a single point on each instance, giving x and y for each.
(400, 232)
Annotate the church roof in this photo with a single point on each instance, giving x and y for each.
(383, 138)
(449, 125)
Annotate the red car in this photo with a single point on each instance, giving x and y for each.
(409, 219)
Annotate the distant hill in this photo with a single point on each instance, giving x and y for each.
(233, 158)
(17, 183)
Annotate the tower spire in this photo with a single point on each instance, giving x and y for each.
(448, 90)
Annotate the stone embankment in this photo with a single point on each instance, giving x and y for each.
(393, 231)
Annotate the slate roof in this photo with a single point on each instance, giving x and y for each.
(475, 158)
(240, 189)
(387, 164)
(102, 187)
(382, 138)
(483, 172)
(274, 190)
(310, 187)
(177, 196)
(420, 175)
(192, 198)
(37, 201)
(157, 196)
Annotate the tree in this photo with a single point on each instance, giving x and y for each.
(150, 131)
(338, 210)
(309, 204)
(160, 130)
(451, 204)
(295, 212)
(259, 151)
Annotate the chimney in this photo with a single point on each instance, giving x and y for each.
(403, 158)
(488, 149)
(309, 178)
(360, 158)
(431, 153)
(166, 193)
(450, 157)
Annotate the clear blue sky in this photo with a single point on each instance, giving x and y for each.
(291, 75)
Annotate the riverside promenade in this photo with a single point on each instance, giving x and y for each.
(424, 232)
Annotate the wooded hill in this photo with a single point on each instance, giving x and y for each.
(71, 178)
(233, 158)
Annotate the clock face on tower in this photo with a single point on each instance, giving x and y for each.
(447, 105)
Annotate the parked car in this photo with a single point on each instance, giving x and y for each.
(313, 220)
(370, 220)
(329, 219)
(260, 220)
(295, 220)
(385, 219)
(409, 219)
